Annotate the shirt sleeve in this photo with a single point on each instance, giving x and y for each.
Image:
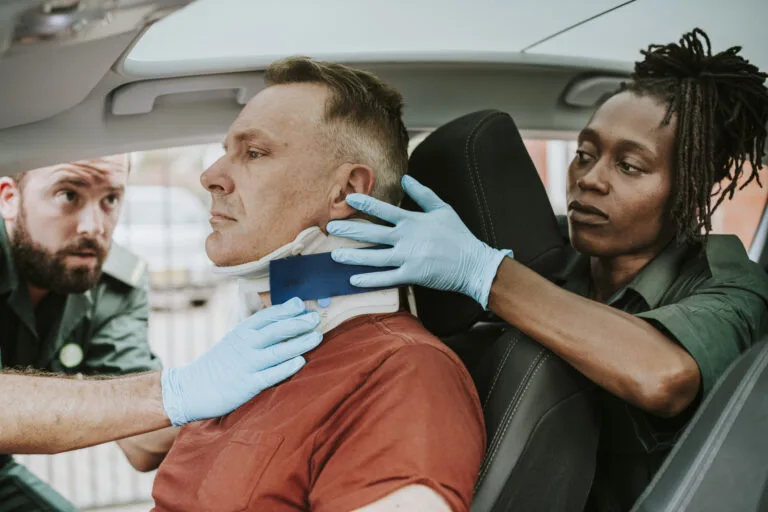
(415, 420)
(715, 325)
(120, 344)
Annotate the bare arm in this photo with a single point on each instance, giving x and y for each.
(412, 497)
(146, 452)
(619, 352)
(52, 414)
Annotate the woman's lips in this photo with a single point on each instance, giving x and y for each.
(582, 213)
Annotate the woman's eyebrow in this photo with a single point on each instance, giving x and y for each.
(588, 133)
(627, 144)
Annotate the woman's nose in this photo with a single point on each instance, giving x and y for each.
(594, 180)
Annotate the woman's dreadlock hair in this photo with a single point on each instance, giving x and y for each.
(721, 107)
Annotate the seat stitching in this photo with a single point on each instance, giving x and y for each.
(528, 371)
(506, 418)
(475, 168)
(508, 421)
(474, 186)
(510, 346)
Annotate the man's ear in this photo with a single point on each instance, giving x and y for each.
(351, 179)
(10, 198)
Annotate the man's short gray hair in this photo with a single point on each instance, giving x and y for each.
(364, 117)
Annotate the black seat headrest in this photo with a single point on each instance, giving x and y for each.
(479, 165)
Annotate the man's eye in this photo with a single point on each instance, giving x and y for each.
(112, 200)
(253, 154)
(67, 196)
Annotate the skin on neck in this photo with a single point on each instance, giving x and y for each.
(36, 294)
(266, 297)
(609, 275)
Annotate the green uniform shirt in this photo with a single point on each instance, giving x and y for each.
(100, 332)
(712, 300)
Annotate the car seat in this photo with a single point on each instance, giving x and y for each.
(540, 413)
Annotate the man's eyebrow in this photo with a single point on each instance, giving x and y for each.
(251, 134)
(76, 182)
(71, 181)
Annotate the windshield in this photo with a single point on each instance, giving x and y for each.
(162, 207)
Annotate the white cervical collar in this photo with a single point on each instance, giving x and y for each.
(253, 279)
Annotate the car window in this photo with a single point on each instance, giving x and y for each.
(741, 215)
(162, 208)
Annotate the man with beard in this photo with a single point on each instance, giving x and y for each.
(66, 308)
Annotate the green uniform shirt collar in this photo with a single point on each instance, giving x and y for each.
(651, 283)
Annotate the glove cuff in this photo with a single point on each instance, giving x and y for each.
(492, 261)
(172, 396)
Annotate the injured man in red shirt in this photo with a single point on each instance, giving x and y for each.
(383, 416)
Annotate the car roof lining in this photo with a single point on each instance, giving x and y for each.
(194, 110)
(67, 101)
(243, 35)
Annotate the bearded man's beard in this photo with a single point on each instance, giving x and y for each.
(48, 270)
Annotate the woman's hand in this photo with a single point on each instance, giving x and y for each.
(432, 248)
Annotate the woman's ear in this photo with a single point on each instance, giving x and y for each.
(10, 199)
(352, 179)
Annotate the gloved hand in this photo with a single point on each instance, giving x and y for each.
(249, 359)
(433, 249)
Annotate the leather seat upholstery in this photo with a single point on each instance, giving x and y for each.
(721, 460)
(540, 413)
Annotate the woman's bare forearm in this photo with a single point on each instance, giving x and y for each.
(617, 351)
(49, 414)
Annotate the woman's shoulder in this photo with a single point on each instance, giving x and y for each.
(722, 260)
(725, 255)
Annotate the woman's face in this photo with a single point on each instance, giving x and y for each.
(620, 182)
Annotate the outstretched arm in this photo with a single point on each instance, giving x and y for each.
(50, 414)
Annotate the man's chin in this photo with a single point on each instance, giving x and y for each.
(222, 257)
(220, 252)
(81, 278)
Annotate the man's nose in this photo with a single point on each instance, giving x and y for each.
(216, 178)
(595, 179)
(92, 221)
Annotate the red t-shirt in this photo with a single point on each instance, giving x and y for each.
(381, 404)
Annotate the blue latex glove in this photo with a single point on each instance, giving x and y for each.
(249, 359)
(433, 249)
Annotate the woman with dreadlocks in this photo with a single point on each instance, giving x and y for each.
(653, 163)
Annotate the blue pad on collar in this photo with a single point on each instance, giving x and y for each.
(315, 276)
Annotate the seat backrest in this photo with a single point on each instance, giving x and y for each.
(721, 460)
(479, 165)
(540, 414)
